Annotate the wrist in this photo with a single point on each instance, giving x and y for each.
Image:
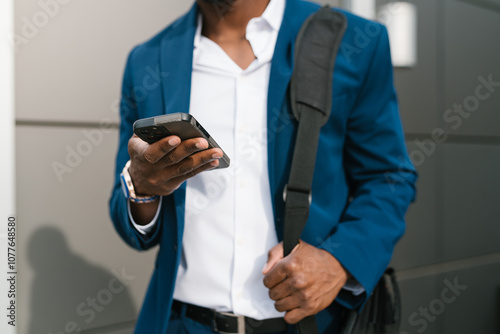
(129, 190)
(338, 267)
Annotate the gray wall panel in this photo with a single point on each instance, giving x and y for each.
(477, 304)
(68, 248)
(471, 210)
(416, 294)
(472, 50)
(71, 66)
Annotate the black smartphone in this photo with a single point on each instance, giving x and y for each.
(183, 125)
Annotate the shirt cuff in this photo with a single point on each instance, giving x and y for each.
(145, 229)
(352, 285)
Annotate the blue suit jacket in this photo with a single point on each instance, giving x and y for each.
(363, 181)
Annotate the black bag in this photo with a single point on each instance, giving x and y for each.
(382, 312)
(310, 92)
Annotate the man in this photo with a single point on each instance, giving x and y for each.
(229, 64)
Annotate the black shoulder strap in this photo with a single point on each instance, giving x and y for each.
(311, 98)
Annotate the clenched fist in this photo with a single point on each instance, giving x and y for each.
(303, 283)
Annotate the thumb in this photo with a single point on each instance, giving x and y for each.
(274, 255)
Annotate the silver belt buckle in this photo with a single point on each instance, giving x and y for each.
(239, 318)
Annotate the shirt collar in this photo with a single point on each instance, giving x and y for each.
(273, 16)
(274, 13)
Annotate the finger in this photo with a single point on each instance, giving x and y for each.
(136, 147)
(273, 256)
(193, 162)
(275, 276)
(286, 304)
(280, 291)
(155, 152)
(188, 148)
(177, 181)
(294, 316)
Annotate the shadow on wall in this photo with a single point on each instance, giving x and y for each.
(70, 294)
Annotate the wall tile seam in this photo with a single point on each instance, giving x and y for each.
(448, 266)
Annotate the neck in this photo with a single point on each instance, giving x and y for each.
(228, 19)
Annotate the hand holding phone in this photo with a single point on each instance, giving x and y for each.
(183, 125)
(162, 165)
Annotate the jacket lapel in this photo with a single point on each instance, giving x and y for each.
(176, 59)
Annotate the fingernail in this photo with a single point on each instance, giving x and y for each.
(264, 268)
(201, 144)
(215, 163)
(173, 142)
(216, 156)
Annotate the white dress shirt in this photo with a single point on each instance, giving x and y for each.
(229, 225)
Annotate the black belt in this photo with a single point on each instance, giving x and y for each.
(227, 322)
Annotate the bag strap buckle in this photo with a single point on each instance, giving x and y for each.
(307, 193)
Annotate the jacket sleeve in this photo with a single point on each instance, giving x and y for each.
(118, 203)
(381, 179)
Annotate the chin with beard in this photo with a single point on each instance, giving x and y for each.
(220, 2)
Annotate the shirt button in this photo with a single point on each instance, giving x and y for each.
(243, 184)
(239, 295)
(241, 241)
